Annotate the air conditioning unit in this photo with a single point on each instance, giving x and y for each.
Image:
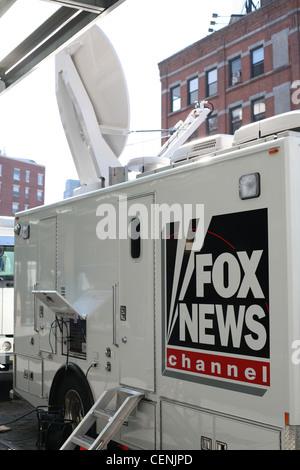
(202, 147)
(236, 77)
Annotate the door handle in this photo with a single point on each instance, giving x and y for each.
(114, 314)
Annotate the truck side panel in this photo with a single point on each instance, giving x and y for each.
(209, 325)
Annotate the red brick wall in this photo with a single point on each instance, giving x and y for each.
(217, 49)
(7, 182)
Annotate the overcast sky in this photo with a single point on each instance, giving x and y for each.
(143, 33)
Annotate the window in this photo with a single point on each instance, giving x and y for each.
(26, 206)
(175, 99)
(135, 238)
(257, 62)
(14, 208)
(39, 195)
(236, 115)
(26, 193)
(27, 176)
(40, 179)
(0, 170)
(7, 262)
(16, 174)
(16, 190)
(212, 82)
(192, 91)
(258, 109)
(212, 125)
(235, 76)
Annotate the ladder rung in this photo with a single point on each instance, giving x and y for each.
(103, 414)
(83, 441)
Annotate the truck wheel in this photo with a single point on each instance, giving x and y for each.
(73, 407)
(71, 394)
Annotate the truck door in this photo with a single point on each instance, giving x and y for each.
(135, 323)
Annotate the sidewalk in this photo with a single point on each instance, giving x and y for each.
(18, 424)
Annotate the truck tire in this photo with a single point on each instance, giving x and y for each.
(71, 395)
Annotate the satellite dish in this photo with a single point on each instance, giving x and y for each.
(93, 102)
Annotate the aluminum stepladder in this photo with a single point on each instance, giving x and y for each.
(126, 401)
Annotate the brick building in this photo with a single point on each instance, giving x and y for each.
(248, 70)
(22, 185)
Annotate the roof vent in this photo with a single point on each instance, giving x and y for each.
(282, 122)
(204, 146)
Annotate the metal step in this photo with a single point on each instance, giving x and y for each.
(126, 402)
(103, 414)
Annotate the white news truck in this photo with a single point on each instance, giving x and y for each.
(6, 300)
(174, 296)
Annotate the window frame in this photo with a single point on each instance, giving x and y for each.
(209, 84)
(15, 207)
(40, 178)
(233, 128)
(231, 72)
(196, 91)
(257, 68)
(173, 100)
(39, 195)
(261, 115)
(16, 190)
(209, 119)
(17, 174)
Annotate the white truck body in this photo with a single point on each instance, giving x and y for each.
(186, 400)
(6, 298)
(182, 284)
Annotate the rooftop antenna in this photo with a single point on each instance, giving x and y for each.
(249, 6)
(214, 23)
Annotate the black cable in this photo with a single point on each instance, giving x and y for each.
(20, 417)
(92, 365)
(212, 108)
(17, 419)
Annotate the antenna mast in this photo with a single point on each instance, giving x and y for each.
(249, 5)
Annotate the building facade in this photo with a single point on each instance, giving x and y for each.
(70, 186)
(248, 70)
(22, 185)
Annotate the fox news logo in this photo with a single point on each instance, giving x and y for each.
(218, 326)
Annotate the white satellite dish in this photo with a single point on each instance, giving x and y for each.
(93, 101)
